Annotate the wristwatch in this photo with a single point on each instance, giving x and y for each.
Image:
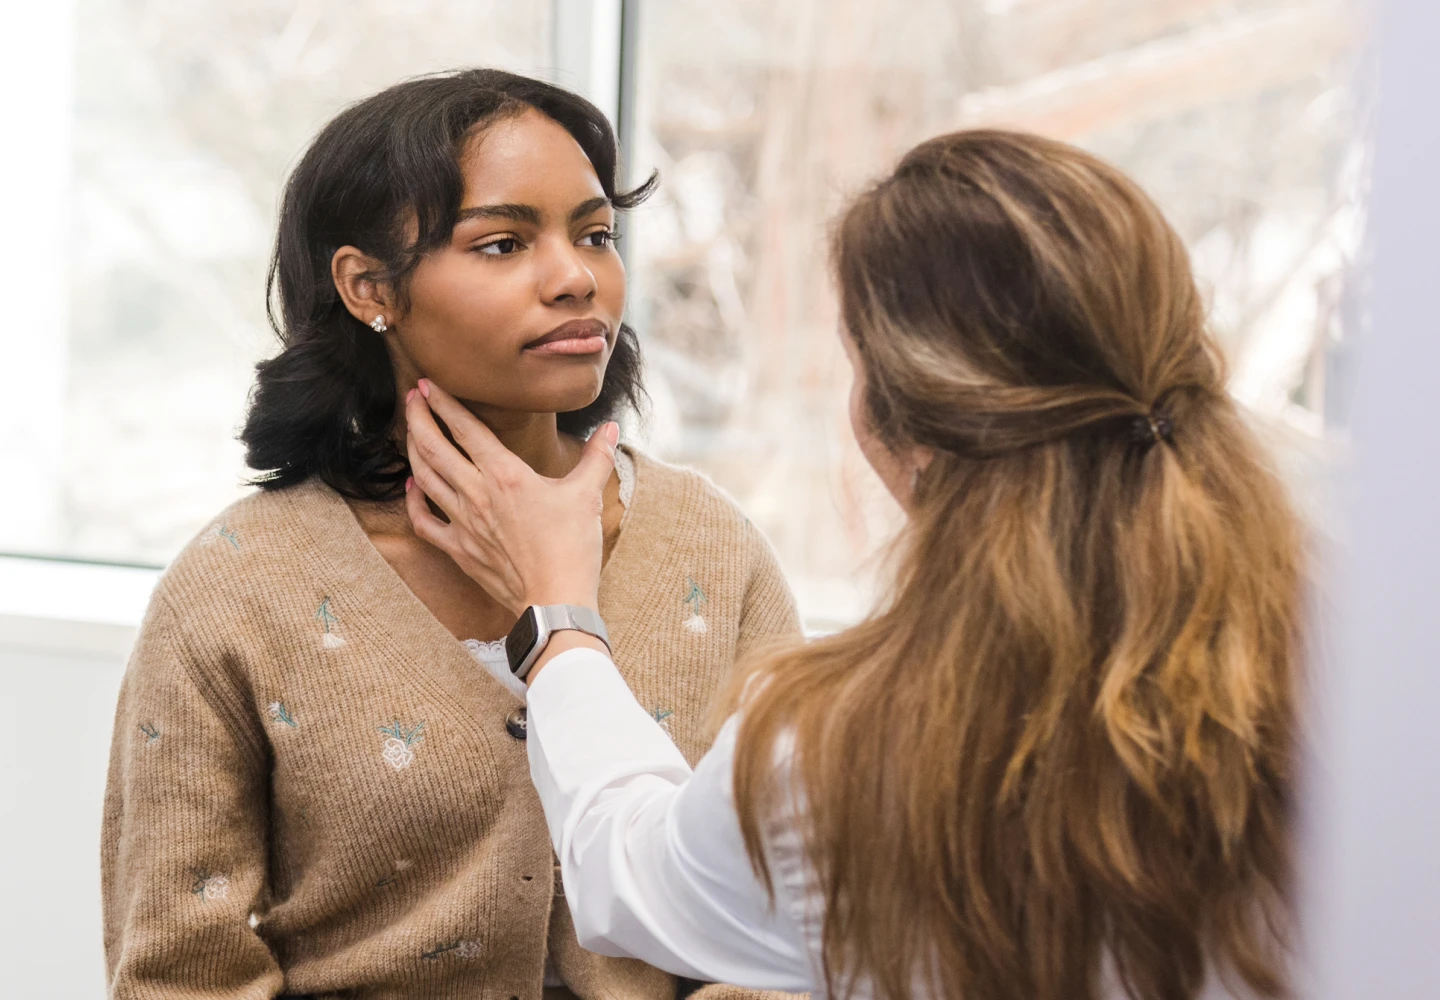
(531, 634)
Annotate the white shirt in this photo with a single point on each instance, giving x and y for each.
(650, 852)
(651, 855)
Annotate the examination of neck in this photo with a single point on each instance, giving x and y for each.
(534, 437)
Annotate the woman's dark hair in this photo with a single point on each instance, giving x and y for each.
(325, 405)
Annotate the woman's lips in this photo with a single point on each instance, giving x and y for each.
(579, 336)
(571, 345)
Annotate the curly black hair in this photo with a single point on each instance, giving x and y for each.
(326, 404)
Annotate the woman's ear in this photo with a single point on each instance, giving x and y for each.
(368, 300)
(921, 456)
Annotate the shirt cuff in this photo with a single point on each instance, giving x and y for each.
(569, 662)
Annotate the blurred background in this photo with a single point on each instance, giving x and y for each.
(152, 138)
(177, 123)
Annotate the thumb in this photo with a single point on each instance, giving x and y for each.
(597, 461)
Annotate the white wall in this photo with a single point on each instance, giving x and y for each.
(57, 712)
(65, 631)
(1374, 865)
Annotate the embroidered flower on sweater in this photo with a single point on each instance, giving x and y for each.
(695, 600)
(331, 624)
(662, 716)
(210, 887)
(402, 865)
(279, 713)
(151, 732)
(397, 751)
(221, 532)
(460, 949)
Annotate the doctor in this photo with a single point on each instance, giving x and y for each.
(1058, 758)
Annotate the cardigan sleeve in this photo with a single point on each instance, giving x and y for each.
(769, 611)
(183, 848)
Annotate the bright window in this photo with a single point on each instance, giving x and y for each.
(161, 131)
(1239, 116)
(183, 120)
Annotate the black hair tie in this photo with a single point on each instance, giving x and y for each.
(1152, 428)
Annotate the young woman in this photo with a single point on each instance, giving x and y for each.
(1058, 760)
(318, 781)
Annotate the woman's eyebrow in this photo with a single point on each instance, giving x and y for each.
(586, 207)
(515, 213)
(528, 214)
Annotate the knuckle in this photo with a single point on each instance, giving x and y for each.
(506, 479)
(466, 438)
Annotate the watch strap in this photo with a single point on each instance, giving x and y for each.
(560, 617)
(552, 618)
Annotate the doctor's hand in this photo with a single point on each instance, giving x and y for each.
(523, 537)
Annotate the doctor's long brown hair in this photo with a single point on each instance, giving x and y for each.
(1063, 751)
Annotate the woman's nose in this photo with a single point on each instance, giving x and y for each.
(567, 278)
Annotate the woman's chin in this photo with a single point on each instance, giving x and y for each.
(556, 392)
(564, 399)
(579, 403)
(578, 391)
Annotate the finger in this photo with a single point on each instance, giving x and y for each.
(427, 526)
(444, 460)
(479, 442)
(449, 539)
(597, 460)
(430, 482)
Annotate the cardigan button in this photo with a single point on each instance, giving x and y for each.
(516, 723)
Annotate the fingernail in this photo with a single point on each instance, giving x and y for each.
(409, 482)
(425, 387)
(612, 433)
(410, 395)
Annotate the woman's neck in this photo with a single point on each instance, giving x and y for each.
(533, 437)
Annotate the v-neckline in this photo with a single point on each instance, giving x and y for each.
(380, 581)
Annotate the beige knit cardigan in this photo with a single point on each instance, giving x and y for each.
(313, 788)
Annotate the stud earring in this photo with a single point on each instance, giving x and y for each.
(378, 324)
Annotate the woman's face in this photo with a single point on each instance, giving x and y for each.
(520, 311)
(896, 468)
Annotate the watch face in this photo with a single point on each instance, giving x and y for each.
(521, 638)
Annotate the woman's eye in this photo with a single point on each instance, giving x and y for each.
(500, 248)
(600, 238)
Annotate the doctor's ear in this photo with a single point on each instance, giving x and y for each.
(370, 301)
